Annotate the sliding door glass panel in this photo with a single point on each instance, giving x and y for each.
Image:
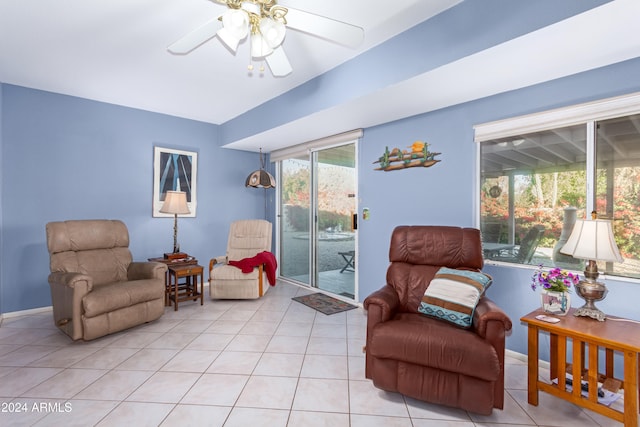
(334, 209)
(295, 232)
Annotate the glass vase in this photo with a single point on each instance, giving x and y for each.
(556, 303)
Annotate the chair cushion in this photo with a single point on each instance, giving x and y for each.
(87, 234)
(97, 248)
(229, 272)
(248, 237)
(113, 296)
(453, 295)
(424, 341)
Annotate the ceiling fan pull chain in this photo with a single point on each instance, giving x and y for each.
(250, 66)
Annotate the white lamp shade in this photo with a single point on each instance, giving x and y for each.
(235, 27)
(259, 46)
(236, 21)
(592, 240)
(175, 203)
(272, 31)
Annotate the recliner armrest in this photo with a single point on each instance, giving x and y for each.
(216, 260)
(386, 300)
(67, 292)
(487, 311)
(219, 260)
(71, 280)
(146, 270)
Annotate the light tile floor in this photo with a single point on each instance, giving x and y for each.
(271, 362)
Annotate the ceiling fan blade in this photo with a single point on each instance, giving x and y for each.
(279, 63)
(195, 38)
(326, 28)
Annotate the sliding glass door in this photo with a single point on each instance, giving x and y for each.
(335, 207)
(295, 214)
(317, 242)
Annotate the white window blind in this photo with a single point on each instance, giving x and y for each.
(303, 149)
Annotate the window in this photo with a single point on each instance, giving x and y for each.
(617, 187)
(540, 173)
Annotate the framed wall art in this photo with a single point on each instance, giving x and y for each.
(174, 170)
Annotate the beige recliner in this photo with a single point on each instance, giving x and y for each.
(96, 289)
(247, 238)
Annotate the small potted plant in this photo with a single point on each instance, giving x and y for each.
(555, 286)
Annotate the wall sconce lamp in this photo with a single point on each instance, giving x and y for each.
(592, 240)
(175, 203)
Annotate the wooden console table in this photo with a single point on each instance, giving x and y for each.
(612, 335)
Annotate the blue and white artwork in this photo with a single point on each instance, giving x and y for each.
(174, 170)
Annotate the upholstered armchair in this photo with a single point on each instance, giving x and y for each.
(96, 288)
(248, 249)
(454, 354)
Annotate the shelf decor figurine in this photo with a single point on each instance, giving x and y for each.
(396, 159)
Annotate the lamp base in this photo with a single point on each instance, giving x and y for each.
(590, 290)
(590, 312)
(175, 255)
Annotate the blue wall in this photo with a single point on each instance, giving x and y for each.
(444, 194)
(64, 158)
(70, 158)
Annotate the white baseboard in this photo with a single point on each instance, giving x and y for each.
(523, 357)
(26, 312)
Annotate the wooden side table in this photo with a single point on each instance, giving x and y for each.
(189, 260)
(586, 335)
(187, 290)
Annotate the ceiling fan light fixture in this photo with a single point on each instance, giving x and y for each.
(251, 7)
(235, 27)
(272, 31)
(236, 20)
(259, 46)
(268, 22)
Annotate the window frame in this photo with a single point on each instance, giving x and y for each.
(587, 114)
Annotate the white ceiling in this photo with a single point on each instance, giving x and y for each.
(115, 51)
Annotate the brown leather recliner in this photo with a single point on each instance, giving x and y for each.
(427, 358)
(96, 289)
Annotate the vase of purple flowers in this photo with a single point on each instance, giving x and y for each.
(555, 286)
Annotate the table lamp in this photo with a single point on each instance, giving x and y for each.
(592, 240)
(175, 203)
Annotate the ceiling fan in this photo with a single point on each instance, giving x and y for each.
(265, 22)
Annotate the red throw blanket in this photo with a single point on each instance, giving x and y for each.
(267, 258)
